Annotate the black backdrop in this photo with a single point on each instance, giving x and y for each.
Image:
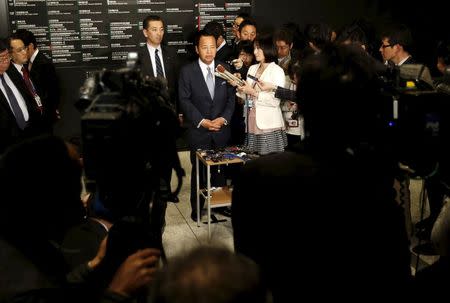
(427, 23)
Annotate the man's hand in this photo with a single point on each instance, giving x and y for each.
(218, 122)
(136, 272)
(209, 125)
(237, 63)
(100, 254)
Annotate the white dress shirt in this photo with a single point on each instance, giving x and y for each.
(17, 94)
(151, 50)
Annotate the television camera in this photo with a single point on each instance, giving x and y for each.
(128, 139)
(418, 114)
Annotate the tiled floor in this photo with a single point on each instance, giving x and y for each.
(182, 234)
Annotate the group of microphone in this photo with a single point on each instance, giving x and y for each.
(224, 74)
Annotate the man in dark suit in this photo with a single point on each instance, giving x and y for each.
(207, 103)
(396, 43)
(43, 75)
(153, 30)
(19, 117)
(157, 60)
(224, 51)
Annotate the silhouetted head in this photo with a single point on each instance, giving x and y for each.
(210, 274)
(41, 186)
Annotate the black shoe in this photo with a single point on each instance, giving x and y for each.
(424, 234)
(173, 198)
(224, 211)
(426, 249)
(425, 223)
(194, 215)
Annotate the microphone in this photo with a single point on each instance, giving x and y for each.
(224, 73)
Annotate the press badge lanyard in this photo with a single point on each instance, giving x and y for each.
(30, 86)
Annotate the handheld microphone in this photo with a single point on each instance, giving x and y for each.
(221, 70)
(253, 78)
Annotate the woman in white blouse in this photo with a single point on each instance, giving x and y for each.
(264, 124)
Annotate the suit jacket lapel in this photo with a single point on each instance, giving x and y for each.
(6, 108)
(166, 60)
(147, 62)
(18, 81)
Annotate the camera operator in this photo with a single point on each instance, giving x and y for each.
(126, 116)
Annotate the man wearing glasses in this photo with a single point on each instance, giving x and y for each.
(44, 78)
(396, 43)
(283, 42)
(19, 117)
(19, 59)
(235, 28)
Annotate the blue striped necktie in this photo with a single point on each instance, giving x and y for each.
(159, 69)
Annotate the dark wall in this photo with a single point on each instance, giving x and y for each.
(4, 27)
(427, 23)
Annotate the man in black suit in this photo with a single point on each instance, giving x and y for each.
(207, 103)
(19, 117)
(153, 30)
(43, 75)
(224, 51)
(396, 43)
(157, 60)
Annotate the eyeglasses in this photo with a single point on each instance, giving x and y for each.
(4, 59)
(383, 46)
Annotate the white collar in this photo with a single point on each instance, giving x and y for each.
(152, 49)
(34, 56)
(204, 66)
(403, 61)
(221, 45)
(18, 67)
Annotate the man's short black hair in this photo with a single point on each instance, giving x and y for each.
(151, 18)
(399, 34)
(202, 33)
(247, 22)
(215, 28)
(26, 36)
(283, 35)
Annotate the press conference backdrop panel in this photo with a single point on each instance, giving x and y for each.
(102, 32)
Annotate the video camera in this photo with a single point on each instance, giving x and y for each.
(127, 121)
(418, 114)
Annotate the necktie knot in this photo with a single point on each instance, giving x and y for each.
(25, 71)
